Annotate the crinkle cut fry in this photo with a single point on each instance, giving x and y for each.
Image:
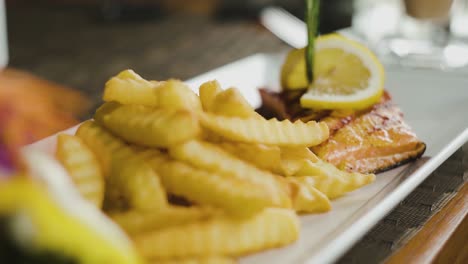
(127, 174)
(273, 227)
(210, 157)
(135, 222)
(82, 165)
(271, 132)
(148, 126)
(215, 189)
(332, 181)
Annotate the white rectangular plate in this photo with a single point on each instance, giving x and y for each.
(435, 105)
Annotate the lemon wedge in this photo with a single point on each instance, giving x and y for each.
(347, 75)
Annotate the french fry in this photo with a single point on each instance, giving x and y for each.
(283, 161)
(198, 260)
(293, 159)
(207, 188)
(101, 142)
(230, 102)
(306, 198)
(262, 156)
(331, 181)
(209, 157)
(223, 235)
(272, 132)
(127, 87)
(298, 153)
(135, 181)
(175, 94)
(129, 177)
(208, 92)
(134, 222)
(83, 167)
(146, 126)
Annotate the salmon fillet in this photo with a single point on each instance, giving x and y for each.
(368, 141)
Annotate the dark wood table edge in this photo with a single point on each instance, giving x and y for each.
(443, 239)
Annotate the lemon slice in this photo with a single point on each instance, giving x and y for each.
(347, 75)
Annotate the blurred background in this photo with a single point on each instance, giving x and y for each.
(79, 44)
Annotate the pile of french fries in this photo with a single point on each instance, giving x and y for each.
(199, 179)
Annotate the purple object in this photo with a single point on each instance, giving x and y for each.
(6, 163)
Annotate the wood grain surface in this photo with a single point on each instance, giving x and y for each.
(443, 239)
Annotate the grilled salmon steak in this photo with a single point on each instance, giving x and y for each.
(368, 141)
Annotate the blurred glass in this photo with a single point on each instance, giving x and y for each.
(415, 33)
(373, 20)
(459, 20)
(3, 36)
(435, 10)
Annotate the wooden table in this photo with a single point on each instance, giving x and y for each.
(443, 239)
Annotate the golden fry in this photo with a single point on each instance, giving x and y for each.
(198, 260)
(135, 181)
(209, 157)
(331, 181)
(148, 126)
(102, 143)
(129, 176)
(298, 153)
(230, 102)
(223, 235)
(272, 132)
(208, 92)
(262, 156)
(284, 161)
(176, 94)
(306, 198)
(293, 159)
(134, 222)
(207, 188)
(83, 167)
(127, 87)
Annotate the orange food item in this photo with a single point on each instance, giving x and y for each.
(374, 140)
(366, 141)
(32, 108)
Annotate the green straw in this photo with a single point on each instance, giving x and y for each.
(312, 21)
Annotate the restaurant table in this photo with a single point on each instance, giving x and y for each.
(72, 47)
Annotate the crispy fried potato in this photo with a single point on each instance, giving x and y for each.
(298, 153)
(101, 142)
(207, 188)
(135, 181)
(134, 222)
(331, 181)
(230, 102)
(208, 92)
(283, 161)
(263, 156)
(209, 157)
(306, 198)
(176, 94)
(272, 132)
(129, 177)
(127, 87)
(148, 126)
(198, 260)
(83, 167)
(293, 159)
(223, 235)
